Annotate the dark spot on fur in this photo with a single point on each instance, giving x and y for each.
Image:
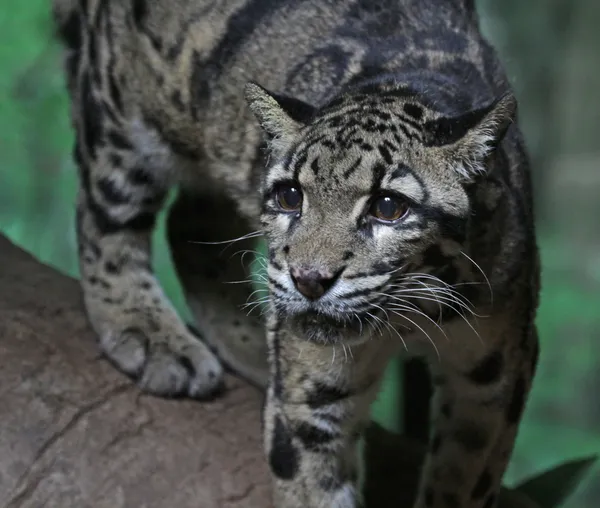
(517, 402)
(489, 370)
(413, 111)
(93, 130)
(471, 437)
(95, 281)
(277, 376)
(283, 459)
(140, 176)
(112, 267)
(111, 192)
(118, 140)
(348, 255)
(323, 395)
(276, 265)
(313, 437)
(139, 11)
(116, 161)
(145, 285)
(483, 485)
(245, 338)
(286, 249)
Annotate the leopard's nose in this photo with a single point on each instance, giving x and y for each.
(311, 282)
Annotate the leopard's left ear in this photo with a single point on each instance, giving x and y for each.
(469, 139)
(280, 117)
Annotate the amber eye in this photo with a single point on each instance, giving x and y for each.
(289, 197)
(388, 208)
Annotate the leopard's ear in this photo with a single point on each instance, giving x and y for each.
(467, 140)
(279, 116)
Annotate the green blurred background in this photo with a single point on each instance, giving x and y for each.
(551, 49)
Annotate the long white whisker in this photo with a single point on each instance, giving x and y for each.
(464, 318)
(444, 285)
(437, 298)
(484, 276)
(411, 307)
(257, 291)
(393, 328)
(375, 325)
(228, 243)
(420, 328)
(446, 290)
(253, 234)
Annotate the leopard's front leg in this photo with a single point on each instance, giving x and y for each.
(477, 409)
(317, 407)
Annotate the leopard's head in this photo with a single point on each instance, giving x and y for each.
(365, 201)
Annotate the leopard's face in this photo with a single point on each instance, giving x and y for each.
(357, 209)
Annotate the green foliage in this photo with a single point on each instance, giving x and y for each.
(552, 488)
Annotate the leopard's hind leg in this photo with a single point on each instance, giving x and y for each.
(215, 275)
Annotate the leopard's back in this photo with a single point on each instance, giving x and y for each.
(180, 66)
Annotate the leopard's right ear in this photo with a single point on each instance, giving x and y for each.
(467, 140)
(281, 117)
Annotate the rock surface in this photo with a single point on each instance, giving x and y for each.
(74, 433)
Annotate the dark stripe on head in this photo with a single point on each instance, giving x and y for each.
(385, 153)
(378, 174)
(400, 172)
(314, 165)
(355, 165)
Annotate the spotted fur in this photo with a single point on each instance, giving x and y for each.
(339, 103)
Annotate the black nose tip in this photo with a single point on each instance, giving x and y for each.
(312, 283)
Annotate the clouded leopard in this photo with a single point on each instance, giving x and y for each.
(373, 144)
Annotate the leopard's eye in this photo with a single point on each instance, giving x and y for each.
(388, 208)
(288, 197)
